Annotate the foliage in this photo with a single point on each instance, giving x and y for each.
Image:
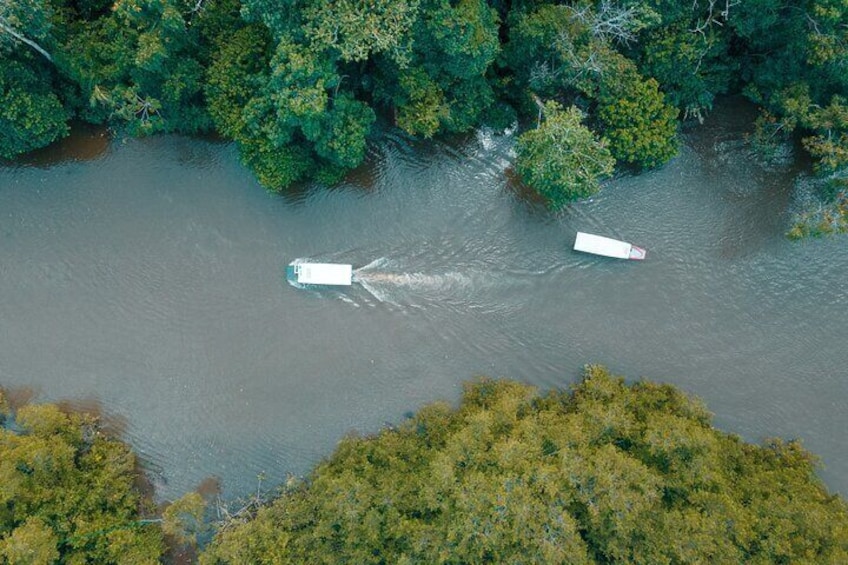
(68, 493)
(638, 124)
(31, 115)
(825, 129)
(422, 108)
(235, 86)
(802, 85)
(140, 65)
(277, 167)
(26, 22)
(358, 29)
(339, 134)
(556, 49)
(183, 518)
(692, 68)
(33, 542)
(535, 47)
(442, 86)
(826, 211)
(237, 71)
(829, 142)
(300, 84)
(562, 159)
(460, 38)
(770, 139)
(604, 473)
(4, 408)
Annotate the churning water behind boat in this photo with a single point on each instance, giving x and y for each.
(151, 279)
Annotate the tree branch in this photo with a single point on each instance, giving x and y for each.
(6, 28)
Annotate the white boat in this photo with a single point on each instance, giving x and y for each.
(607, 247)
(322, 274)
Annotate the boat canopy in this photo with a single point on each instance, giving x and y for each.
(605, 246)
(324, 273)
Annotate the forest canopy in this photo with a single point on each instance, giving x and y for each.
(301, 85)
(603, 473)
(68, 492)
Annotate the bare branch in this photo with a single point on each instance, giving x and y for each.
(715, 15)
(611, 21)
(8, 29)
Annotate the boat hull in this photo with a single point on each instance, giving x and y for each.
(304, 273)
(607, 247)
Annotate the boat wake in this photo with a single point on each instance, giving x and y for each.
(463, 291)
(391, 287)
(388, 283)
(401, 285)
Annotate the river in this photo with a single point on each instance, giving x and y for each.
(147, 277)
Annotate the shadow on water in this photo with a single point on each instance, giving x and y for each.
(111, 424)
(359, 181)
(366, 177)
(18, 396)
(86, 142)
(530, 199)
(190, 153)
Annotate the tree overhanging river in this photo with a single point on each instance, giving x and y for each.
(150, 279)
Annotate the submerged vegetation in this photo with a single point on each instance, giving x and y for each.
(603, 473)
(300, 84)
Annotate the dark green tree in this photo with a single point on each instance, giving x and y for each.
(239, 69)
(25, 22)
(137, 66)
(692, 68)
(440, 83)
(562, 50)
(638, 124)
(31, 115)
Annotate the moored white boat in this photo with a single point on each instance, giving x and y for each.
(607, 247)
(319, 274)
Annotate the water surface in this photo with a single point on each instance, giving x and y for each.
(148, 275)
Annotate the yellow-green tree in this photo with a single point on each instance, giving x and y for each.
(637, 122)
(603, 473)
(67, 493)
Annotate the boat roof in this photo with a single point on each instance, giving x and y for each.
(324, 273)
(599, 245)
